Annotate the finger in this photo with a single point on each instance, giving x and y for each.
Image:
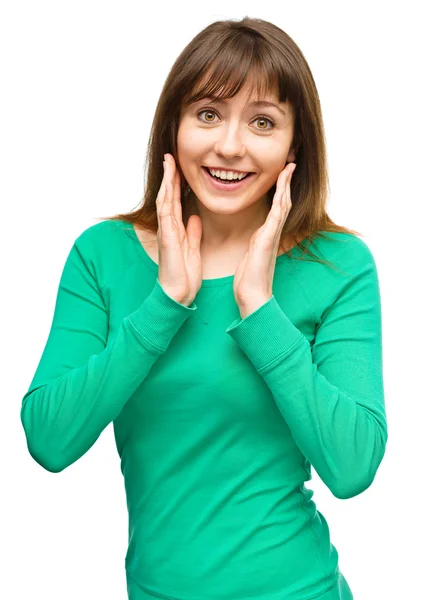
(159, 201)
(282, 184)
(285, 198)
(161, 192)
(279, 188)
(279, 201)
(288, 194)
(171, 175)
(177, 208)
(274, 219)
(281, 181)
(165, 210)
(173, 197)
(284, 205)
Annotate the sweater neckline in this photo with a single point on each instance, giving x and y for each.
(153, 266)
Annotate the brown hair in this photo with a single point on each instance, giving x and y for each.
(218, 62)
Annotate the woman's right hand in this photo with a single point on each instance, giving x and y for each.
(180, 267)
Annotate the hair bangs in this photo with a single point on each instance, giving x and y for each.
(218, 82)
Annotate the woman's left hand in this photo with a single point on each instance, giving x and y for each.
(255, 273)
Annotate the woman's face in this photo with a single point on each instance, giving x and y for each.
(234, 135)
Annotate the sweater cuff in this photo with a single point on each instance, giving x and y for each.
(159, 317)
(265, 334)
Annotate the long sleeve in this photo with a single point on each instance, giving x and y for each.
(82, 382)
(332, 397)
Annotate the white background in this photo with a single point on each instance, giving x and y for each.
(80, 82)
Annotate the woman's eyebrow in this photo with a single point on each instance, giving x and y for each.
(263, 103)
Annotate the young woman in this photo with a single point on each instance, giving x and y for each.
(229, 357)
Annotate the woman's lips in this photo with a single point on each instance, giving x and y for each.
(227, 187)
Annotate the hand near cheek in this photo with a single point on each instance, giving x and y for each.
(255, 273)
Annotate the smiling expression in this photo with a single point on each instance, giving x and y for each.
(233, 134)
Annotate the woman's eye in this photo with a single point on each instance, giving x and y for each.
(259, 118)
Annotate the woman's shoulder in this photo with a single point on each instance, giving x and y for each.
(344, 266)
(102, 231)
(106, 248)
(345, 250)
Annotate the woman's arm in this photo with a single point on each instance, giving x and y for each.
(81, 383)
(331, 398)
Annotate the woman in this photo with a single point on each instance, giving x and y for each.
(228, 362)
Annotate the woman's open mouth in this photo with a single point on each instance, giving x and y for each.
(227, 185)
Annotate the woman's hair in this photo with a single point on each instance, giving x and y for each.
(218, 62)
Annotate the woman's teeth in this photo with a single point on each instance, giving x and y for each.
(227, 179)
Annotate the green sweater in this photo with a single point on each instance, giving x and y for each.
(217, 420)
